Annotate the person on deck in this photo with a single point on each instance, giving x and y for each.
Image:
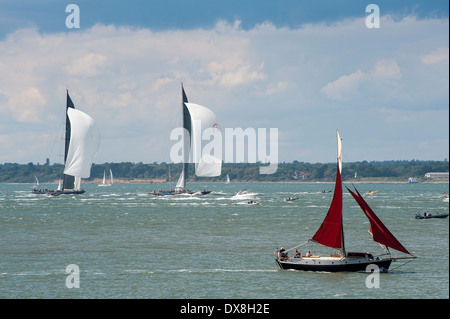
(283, 254)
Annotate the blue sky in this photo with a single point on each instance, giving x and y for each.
(304, 67)
(181, 14)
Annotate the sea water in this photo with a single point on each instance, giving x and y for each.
(127, 243)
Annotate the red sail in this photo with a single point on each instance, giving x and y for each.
(330, 232)
(378, 230)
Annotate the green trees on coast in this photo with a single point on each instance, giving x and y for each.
(244, 172)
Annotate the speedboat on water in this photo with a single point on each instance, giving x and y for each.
(245, 194)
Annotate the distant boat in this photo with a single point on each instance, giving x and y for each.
(195, 119)
(228, 179)
(82, 141)
(104, 179)
(245, 194)
(290, 199)
(371, 192)
(412, 180)
(37, 182)
(427, 215)
(331, 234)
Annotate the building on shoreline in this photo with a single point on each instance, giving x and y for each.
(437, 175)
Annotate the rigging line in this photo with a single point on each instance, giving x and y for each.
(401, 265)
(52, 145)
(297, 246)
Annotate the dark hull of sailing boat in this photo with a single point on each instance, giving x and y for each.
(67, 192)
(177, 192)
(431, 216)
(43, 191)
(337, 265)
(57, 192)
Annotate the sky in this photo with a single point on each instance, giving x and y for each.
(306, 68)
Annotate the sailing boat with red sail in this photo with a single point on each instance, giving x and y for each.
(331, 234)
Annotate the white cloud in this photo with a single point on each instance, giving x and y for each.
(358, 83)
(386, 69)
(87, 66)
(345, 87)
(231, 73)
(440, 55)
(128, 80)
(25, 105)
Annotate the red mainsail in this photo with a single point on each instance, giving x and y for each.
(330, 233)
(378, 230)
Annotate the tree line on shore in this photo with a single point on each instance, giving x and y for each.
(238, 172)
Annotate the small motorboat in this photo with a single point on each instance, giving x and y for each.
(245, 194)
(427, 215)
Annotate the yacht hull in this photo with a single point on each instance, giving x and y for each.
(333, 264)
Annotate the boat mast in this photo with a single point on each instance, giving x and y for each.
(68, 180)
(187, 138)
(339, 170)
(331, 232)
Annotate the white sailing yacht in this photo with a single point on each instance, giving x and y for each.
(196, 118)
(111, 181)
(82, 141)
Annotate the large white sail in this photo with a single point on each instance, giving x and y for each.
(84, 144)
(181, 181)
(339, 150)
(202, 118)
(209, 166)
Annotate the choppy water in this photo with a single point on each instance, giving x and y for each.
(128, 244)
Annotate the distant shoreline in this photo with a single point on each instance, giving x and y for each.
(158, 181)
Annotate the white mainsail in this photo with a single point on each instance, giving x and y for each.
(83, 147)
(196, 120)
(104, 179)
(339, 150)
(181, 181)
(202, 118)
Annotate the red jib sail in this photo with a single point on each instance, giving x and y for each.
(378, 230)
(330, 232)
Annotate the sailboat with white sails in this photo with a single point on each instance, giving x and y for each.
(111, 180)
(331, 234)
(82, 141)
(196, 118)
